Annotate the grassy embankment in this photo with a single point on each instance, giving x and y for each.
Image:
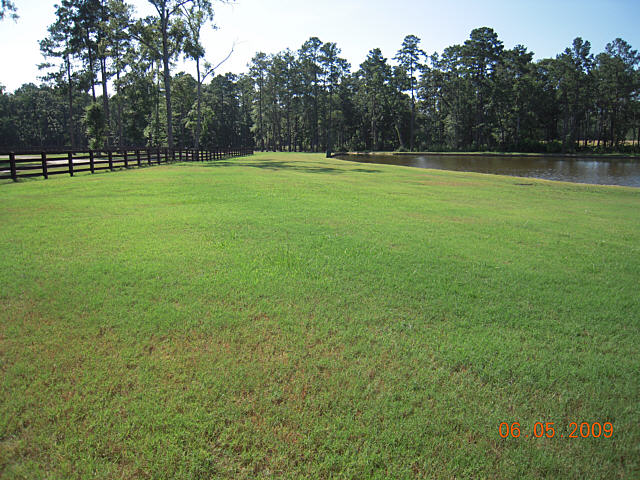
(294, 316)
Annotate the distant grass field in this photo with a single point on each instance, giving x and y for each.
(289, 316)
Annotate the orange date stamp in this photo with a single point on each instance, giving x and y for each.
(548, 430)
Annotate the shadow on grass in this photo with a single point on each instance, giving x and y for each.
(275, 165)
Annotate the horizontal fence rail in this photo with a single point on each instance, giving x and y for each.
(26, 164)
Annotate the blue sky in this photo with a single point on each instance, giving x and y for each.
(545, 27)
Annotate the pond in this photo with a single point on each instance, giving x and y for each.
(600, 171)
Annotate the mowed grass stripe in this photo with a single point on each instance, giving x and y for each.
(294, 316)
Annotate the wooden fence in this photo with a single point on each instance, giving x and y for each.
(15, 165)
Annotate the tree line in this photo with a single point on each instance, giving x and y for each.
(473, 96)
(109, 80)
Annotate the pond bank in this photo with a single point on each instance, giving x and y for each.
(576, 169)
(605, 157)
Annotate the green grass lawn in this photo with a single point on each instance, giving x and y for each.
(288, 316)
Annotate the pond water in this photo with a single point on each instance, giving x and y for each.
(602, 171)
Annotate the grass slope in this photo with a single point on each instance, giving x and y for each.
(291, 316)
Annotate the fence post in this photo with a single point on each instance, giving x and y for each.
(126, 160)
(70, 160)
(149, 156)
(12, 162)
(138, 157)
(92, 164)
(45, 172)
(110, 155)
(158, 155)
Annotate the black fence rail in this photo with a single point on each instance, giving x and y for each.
(25, 164)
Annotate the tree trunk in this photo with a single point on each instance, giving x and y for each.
(70, 94)
(289, 124)
(167, 77)
(260, 122)
(413, 113)
(329, 126)
(316, 119)
(157, 107)
(105, 98)
(120, 126)
(93, 80)
(199, 107)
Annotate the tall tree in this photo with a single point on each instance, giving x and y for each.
(374, 76)
(334, 68)
(409, 57)
(481, 54)
(309, 57)
(245, 98)
(618, 89)
(84, 39)
(258, 72)
(451, 92)
(512, 99)
(121, 51)
(170, 16)
(289, 72)
(184, 96)
(571, 71)
(171, 35)
(58, 45)
(196, 16)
